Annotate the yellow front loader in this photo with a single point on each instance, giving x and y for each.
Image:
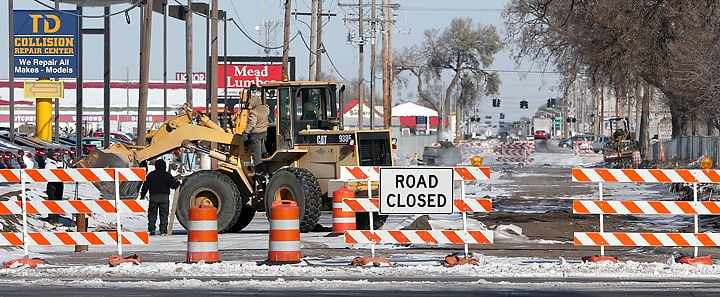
(306, 146)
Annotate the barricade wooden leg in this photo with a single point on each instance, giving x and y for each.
(81, 223)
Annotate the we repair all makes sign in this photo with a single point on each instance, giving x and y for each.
(416, 190)
(45, 43)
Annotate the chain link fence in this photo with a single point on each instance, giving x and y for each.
(688, 148)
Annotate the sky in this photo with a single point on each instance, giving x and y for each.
(412, 19)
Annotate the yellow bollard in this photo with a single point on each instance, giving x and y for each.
(43, 117)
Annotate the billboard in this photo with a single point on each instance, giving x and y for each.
(241, 76)
(45, 43)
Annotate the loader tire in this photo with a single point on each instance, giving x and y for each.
(301, 186)
(214, 188)
(247, 213)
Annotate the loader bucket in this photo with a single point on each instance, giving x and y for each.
(115, 156)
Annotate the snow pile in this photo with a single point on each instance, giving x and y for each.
(492, 267)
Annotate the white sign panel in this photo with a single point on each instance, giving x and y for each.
(416, 190)
(665, 131)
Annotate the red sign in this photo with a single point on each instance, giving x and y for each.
(241, 76)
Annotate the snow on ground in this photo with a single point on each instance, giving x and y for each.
(412, 267)
(325, 270)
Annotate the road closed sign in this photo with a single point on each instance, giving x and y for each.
(416, 190)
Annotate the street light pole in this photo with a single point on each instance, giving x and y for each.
(11, 68)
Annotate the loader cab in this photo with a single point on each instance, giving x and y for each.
(296, 106)
(620, 128)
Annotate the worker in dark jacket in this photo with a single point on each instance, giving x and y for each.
(54, 189)
(158, 183)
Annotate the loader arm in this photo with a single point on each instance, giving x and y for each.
(174, 139)
(172, 134)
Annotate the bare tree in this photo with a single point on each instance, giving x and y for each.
(671, 45)
(458, 53)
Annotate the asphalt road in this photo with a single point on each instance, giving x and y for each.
(427, 286)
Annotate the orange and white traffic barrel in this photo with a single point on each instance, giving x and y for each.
(342, 220)
(202, 235)
(284, 233)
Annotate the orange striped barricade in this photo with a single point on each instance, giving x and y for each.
(202, 235)
(602, 207)
(582, 147)
(284, 247)
(516, 152)
(118, 206)
(370, 205)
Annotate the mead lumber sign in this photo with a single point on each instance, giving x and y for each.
(45, 43)
(415, 190)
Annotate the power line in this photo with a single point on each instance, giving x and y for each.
(259, 44)
(232, 3)
(327, 54)
(89, 16)
(485, 69)
(419, 8)
(302, 37)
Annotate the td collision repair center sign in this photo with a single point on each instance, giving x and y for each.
(45, 43)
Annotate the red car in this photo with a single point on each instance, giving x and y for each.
(541, 134)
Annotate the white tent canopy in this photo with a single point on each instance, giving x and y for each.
(412, 109)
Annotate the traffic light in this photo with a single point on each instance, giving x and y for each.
(502, 116)
(523, 104)
(496, 102)
(547, 103)
(552, 103)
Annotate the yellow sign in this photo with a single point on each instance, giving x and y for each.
(44, 89)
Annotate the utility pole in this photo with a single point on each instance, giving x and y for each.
(80, 221)
(361, 64)
(373, 22)
(388, 69)
(56, 129)
(213, 72)
(144, 71)
(313, 41)
(106, 80)
(315, 47)
(319, 49)
(165, 15)
(286, 40)
(387, 108)
(188, 54)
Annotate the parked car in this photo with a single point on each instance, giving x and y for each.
(570, 142)
(540, 134)
(115, 136)
(504, 136)
(599, 143)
